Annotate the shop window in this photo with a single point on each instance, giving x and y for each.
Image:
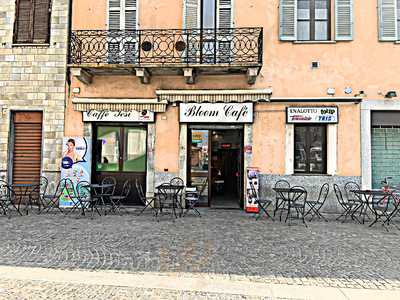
(121, 149)
(310, 149)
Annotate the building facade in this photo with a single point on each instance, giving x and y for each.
(33, 49)
(206, 90)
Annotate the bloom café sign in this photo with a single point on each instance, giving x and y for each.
(118, 116)
(216, 112)
(312, 114)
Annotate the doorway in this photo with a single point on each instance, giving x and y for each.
(216, 166)
(120, 151)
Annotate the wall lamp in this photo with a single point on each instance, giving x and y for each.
(391, 94)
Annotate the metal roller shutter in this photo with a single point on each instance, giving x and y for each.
(27, 148)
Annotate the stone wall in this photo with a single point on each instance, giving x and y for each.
(33, 78)
(312, 184)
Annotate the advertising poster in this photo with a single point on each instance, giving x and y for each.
(252, 180)
(75, 163)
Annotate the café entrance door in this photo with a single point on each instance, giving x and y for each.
(216, 165)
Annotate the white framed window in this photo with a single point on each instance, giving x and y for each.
(310, 20)
(389, 20)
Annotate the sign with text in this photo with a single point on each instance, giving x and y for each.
(216, 113)
(312, 114)
(118, 116)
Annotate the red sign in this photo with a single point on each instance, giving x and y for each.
(226, 146)
(248, 149)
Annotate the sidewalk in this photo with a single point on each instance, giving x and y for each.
(42, 283)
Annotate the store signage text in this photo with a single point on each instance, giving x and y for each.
(312, 114)
(216, 112)
(118, 116)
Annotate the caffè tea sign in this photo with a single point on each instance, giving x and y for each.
(216, 113)
(118, 116)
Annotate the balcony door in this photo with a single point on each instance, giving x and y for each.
(122, 39)
(214, 18)
(120, 152)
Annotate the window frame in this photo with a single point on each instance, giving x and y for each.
(313, 20)
(31, 40)
(307, 144)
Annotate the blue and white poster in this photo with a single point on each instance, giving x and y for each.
(75, 164)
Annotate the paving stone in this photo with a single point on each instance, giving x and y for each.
(223, 242)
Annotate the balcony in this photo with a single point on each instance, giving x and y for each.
(187, 52)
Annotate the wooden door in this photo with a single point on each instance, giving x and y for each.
(27, 147)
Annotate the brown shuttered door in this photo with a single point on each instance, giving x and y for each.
(27, 147)
(24, 21)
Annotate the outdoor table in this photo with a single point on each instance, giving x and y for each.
(168, 192)
(286, 195)
(367, 198)
(24, 188)
(98, 194)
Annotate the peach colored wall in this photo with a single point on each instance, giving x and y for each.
(269, 138)
(363, 64)
(167, 141)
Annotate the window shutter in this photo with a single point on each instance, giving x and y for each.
(114, 14)
(344, 20)
(130, 15)
(192, 14)
(288, 20)
(225, 14)
(41, 21)
(24, 20)
(387, 20)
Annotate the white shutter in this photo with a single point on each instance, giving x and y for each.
(130, 15)
(288, 20)
(192, 14)
(225, 14)
(344, 20)
(114, 14)
(387, 20)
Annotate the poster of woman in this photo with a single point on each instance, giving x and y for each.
(75, 163)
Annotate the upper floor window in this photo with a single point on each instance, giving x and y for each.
(122, 14)
(32, 22)
(310, 20)
(389, 20)
(208, 13)
(313, 20)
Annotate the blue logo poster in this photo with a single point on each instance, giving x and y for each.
(75, 164)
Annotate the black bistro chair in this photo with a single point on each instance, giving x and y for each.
(148, 202)
(315, 205)
(263, 204)
(116, 200)
(280, 203)
(298, 199)
(348, 206)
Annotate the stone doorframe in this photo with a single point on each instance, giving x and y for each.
(367, 106)
(247, 161)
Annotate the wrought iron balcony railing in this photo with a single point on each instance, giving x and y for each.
(168, 47)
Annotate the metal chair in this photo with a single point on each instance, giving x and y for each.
(192, 198)
(316, 205)
(280, 203)
(86, 200)
(177, 181)
(263, 204)
(148, 202)
(116, 200)
(8, 199)
(298, 199)
(347, 206)
(52, 200)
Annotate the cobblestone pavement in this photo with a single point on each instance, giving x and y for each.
(223, 242)
(18, 290)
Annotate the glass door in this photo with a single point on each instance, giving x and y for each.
(199, 166)
(120, 152)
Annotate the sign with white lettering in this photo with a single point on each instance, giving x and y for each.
(118, 116)
(327, 115)
(216, 113)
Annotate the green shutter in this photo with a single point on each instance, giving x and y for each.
(344, 20)
(288, 20)
(387, 20)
